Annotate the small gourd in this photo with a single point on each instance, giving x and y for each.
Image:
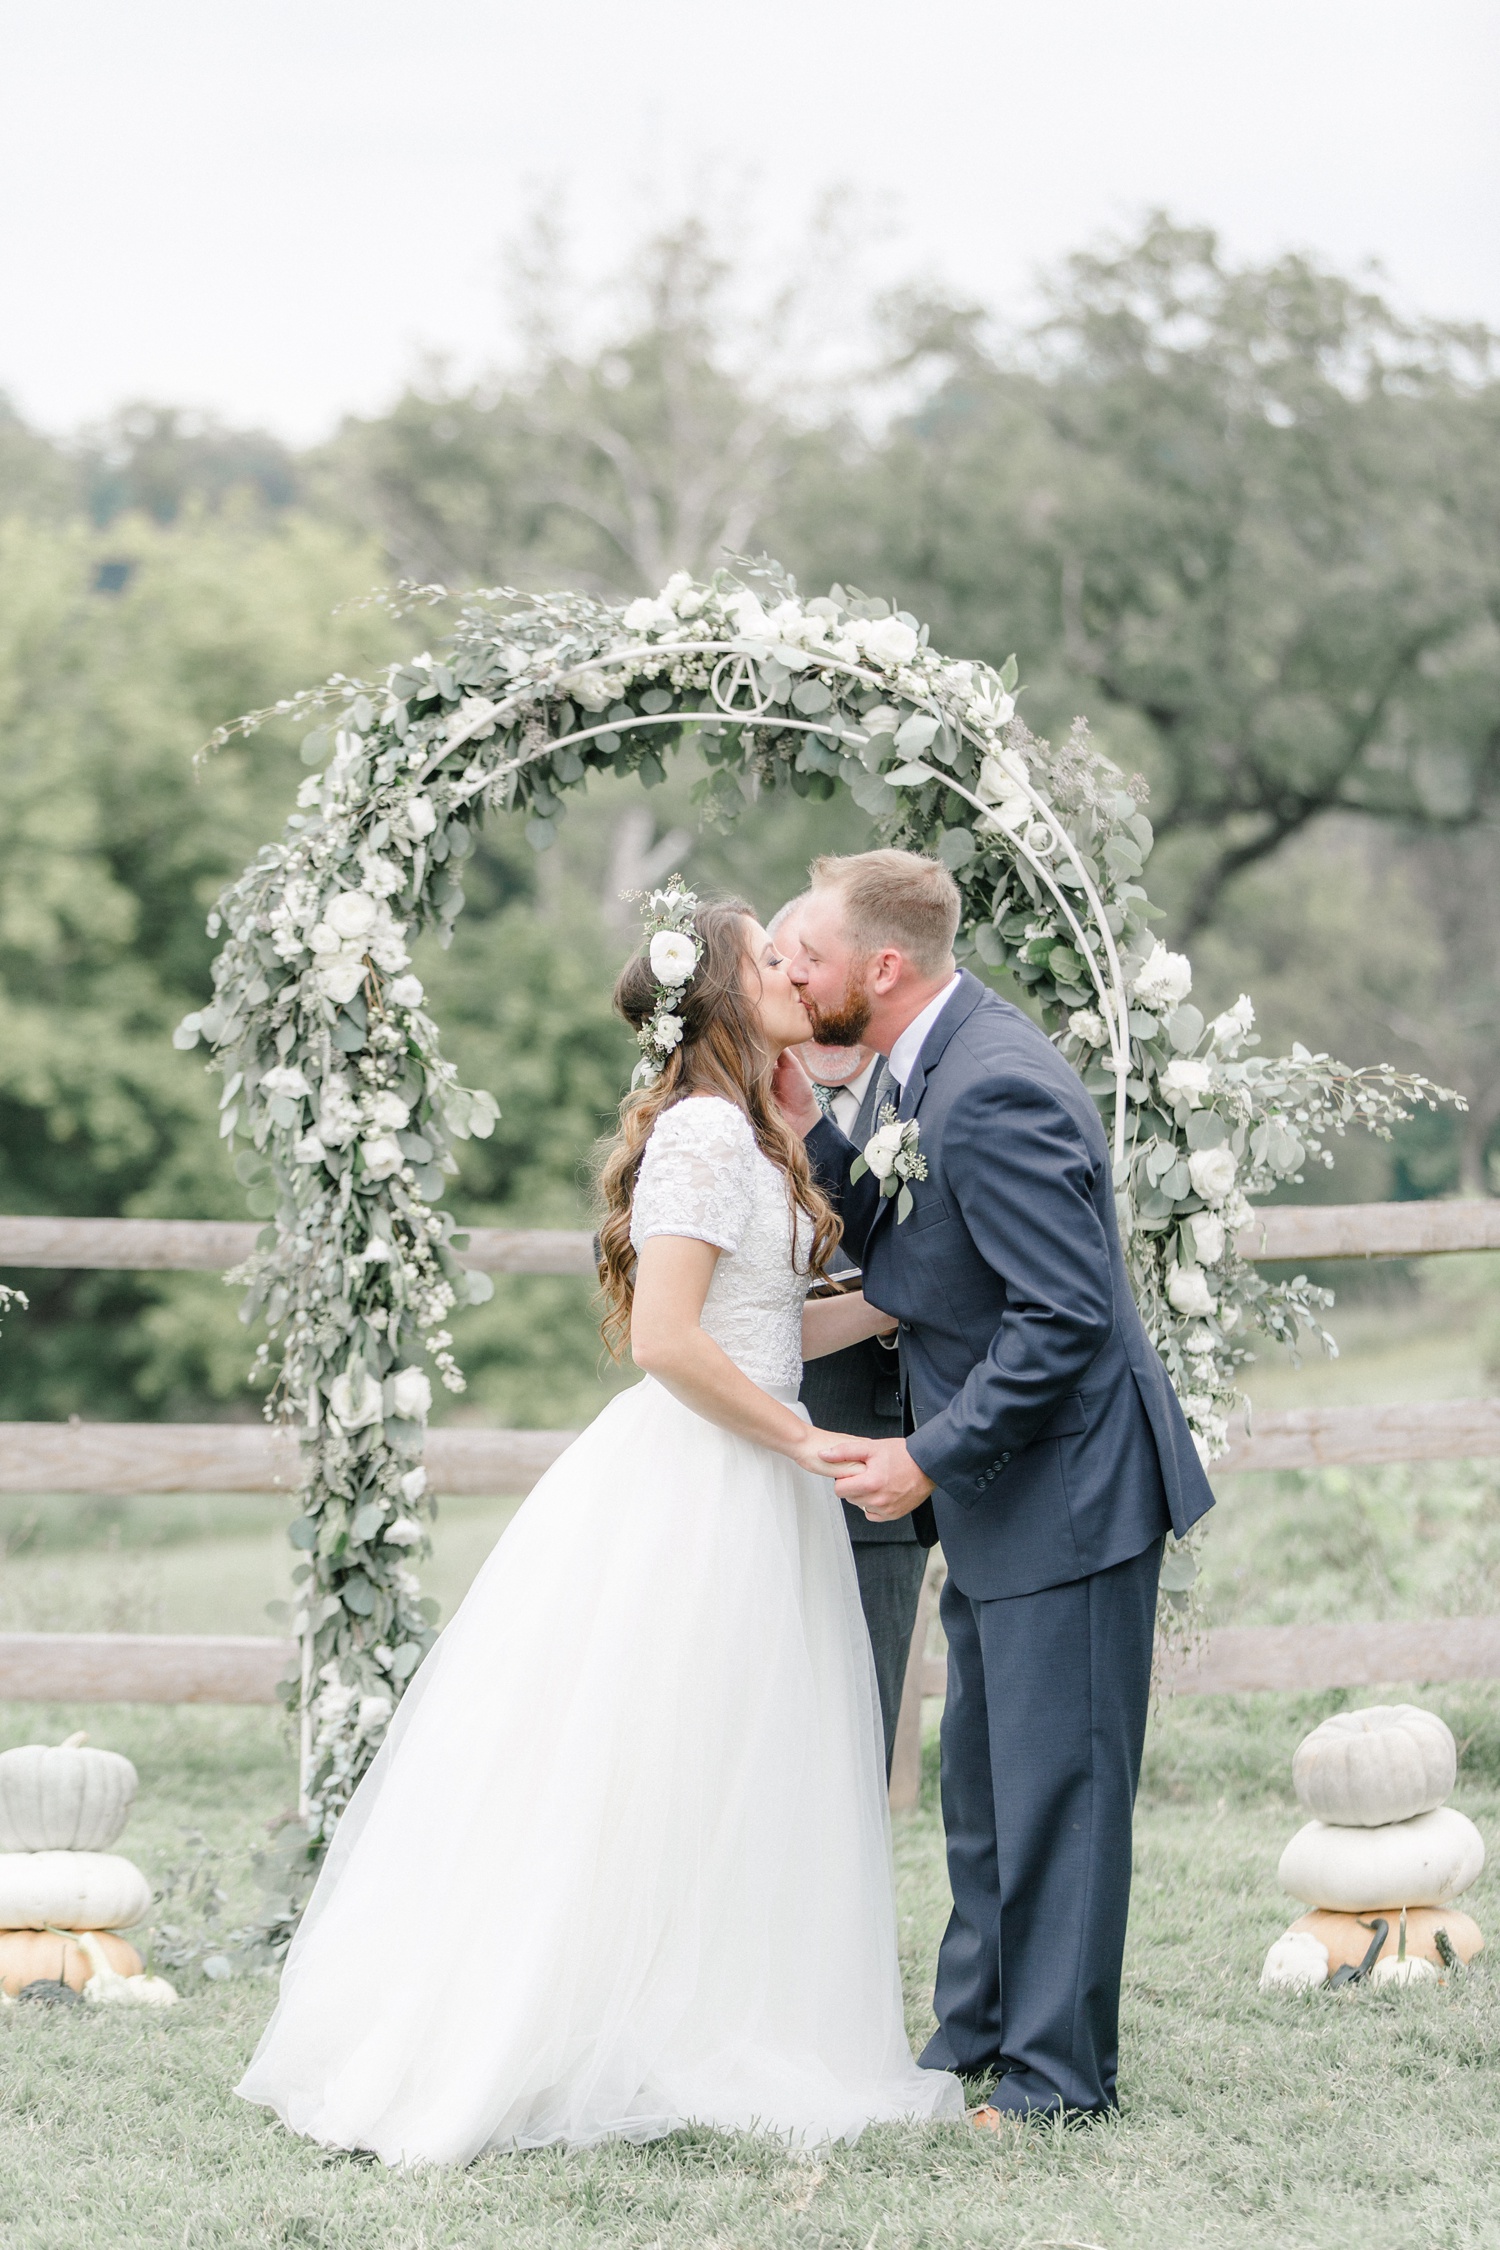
(1363, 1769)
(1297, 1962)
(68, 1799)
(71, 1891)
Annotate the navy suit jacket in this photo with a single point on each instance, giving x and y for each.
(1042, 1412)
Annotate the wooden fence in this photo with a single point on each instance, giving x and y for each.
(122, 1458)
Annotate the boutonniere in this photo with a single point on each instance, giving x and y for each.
(893, 1153)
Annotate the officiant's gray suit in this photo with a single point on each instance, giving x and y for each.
(858, 1391)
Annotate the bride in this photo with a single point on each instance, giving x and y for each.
(623, 1861)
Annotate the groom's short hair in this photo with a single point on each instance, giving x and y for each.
(894, 898)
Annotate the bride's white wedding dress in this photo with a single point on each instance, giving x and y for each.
(623, 1862)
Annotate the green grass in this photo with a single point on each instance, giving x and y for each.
(1247, 2120)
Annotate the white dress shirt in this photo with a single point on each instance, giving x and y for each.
(903, 1055)
(844, 1101)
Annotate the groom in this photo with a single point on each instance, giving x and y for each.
(1045, 1448)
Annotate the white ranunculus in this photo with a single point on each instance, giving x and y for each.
(354, 1398)
(889, 642)
(648, 616)
(882, 1150)
(1208, 1236)
(382, 1156)
(284, 1080)
(404, 1532)
(352, 913)
(666, 1031)
(1088, 1025)
(374, 1710)
(1212, 1172)
(309, 1150)
(1184, 1080)
(341, 978)
(406, 992)
(1230, 1028)
(382, 876)
(412, 1394)
(421, 815)
(673, 957)
(413, 1485)
(1188, 1290)
(1164, 979)
(325, 939)
(389, 1112)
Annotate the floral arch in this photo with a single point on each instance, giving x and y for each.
(336, 1085)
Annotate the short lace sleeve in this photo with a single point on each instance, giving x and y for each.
(697, 1175)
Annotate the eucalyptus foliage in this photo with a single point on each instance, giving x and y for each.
(336, 1084)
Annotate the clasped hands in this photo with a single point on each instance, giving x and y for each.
(876, 1475)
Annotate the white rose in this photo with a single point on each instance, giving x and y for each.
(1189, 1291)
(354, 1398)
(889, 642)
(1002, 774)
(309, 1150)
(413, 1485)
(1208, 1236)
(666, 1031)
(382, 876)
(406, 992)
(323, 938)
(352, 913)
(1212, 1172)
(1186, 1081)
(284, 1080)
(404, 1532)
(374, 1710)
(1089, 1026)
(411, 1394)
(673, 957)
(647, 616)
(342, 978)
(475, 715)
(881, 1152)
(382, 1156)
(1230, 1028)
(749, 618)
(421, 815)
(389, 1112)
(1164, 979)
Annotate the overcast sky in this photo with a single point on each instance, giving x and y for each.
(273, 210)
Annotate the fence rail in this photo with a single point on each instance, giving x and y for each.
(124, 1458)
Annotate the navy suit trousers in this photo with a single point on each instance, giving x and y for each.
(1042, 1736)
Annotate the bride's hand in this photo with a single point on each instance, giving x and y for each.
(809, 1454)
(793, 1093)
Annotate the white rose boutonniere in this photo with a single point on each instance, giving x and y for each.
(893, 1154)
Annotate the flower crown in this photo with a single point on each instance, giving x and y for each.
(675, 951)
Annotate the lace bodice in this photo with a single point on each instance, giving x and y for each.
(703, 1175)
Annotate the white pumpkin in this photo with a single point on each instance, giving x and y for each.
(71, 1891)
(1413, 1970)
(1421, 1862)
(1363, 1769)
(65, 1800)
(1297, 1962)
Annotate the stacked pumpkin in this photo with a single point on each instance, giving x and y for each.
(1383, 1848)
(64, 1896)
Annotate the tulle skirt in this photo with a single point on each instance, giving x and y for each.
(623, 1862)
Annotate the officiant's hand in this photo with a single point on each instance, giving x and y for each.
(878, 1476)
(793, 1091)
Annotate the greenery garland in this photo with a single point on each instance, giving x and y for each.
(336, 1084)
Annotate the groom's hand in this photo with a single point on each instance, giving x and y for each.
(793, 1093)
(879, 1477)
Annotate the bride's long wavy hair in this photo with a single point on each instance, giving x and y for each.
(723, 1051)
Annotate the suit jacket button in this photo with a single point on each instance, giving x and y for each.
(1003, 1459)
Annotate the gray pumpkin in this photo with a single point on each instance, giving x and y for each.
(70, 1799)
(1362, 1769)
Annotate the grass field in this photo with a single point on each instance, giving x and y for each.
(1246, 2120)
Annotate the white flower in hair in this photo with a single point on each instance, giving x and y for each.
(673, 957)
(666, 1032)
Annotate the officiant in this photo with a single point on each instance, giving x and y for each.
(859, 1390)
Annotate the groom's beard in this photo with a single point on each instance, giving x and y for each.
(843, 1026)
